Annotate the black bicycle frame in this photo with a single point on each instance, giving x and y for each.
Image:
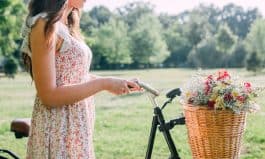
(9, 153)
(159, 121)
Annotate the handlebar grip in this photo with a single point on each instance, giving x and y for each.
(148, 88)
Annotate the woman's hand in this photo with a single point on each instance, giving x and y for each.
(137, 88)
(120, 86)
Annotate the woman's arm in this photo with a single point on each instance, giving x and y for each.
(43, 67)
(93, 76)
(44, 74)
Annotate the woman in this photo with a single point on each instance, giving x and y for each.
(59, 61)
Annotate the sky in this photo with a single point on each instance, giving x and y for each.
(177, 6)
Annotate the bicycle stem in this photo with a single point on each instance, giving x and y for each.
(152, 99)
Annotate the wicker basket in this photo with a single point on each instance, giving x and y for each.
(214, 134)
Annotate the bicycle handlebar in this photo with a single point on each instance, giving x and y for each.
(148, 88)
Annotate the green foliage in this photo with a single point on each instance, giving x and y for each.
(134, 35)
(225, 39)
(255, 40)
(10, 66)
(211, 12)
(178, 46)
(131, 12)
(3, 5)
(147, 43)
(87, 23)
(239, 20)
(97, 53)
(238, 56)
(206, 55)
(253, 62)
(100, 15)
(167, 20)
(112, 38)
(196, 28)
(10, 25)
(94, 19)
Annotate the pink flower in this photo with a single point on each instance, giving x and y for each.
(248, 87)
(210, 77)
(207, 89)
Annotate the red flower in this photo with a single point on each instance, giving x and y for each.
(223, 74)
(211, 104)
(228, 97)
(208, 84)
(240, 98)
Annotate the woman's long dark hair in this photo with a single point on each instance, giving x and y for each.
(54, 10)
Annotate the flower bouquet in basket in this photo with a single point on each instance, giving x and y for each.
(215, 107)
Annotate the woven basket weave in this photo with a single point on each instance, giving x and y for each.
(214, 134)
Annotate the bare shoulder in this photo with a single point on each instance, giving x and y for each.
(37, 35)
(37, 30)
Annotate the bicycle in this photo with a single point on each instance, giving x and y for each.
(21, 127)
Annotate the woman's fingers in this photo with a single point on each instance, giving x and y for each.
(133, 86)
(121, 86)
(134, 79)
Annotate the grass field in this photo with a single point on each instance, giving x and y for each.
(123, 123)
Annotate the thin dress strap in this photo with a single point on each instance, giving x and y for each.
(63, 32)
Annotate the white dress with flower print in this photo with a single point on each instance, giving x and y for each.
(64, 132)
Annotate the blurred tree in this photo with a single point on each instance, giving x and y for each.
(100, 15)
(10, 66)
(94, 19)
(238, 55)
(178, 45)
(211, 13)
(255, 40)
(112, 42)
(225, 41)
(167, 20)
(147, 43)
(253, 62)
(87, 23)
(239, 20)
(131, 12)
(196, 27)
(183, 33)
(99, 60)
(12, 14)
(10, 25)
(206, 56)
